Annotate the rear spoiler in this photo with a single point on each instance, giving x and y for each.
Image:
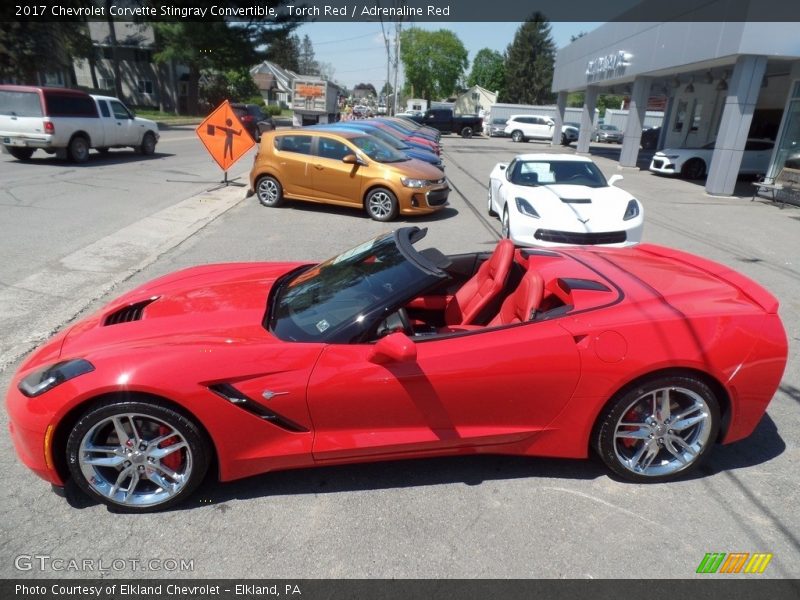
(757, 294)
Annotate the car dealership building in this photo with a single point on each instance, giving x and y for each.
(723, 83)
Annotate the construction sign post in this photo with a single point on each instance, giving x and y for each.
(224, 137)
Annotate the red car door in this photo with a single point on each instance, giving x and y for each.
(495, 386)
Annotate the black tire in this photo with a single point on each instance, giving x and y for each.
(492, 212)
(381, 205)
(466, 132)
(505, 224)
(148, 145)
(78, 149)
(150, 429)
(564, 140)
(516, 136)
(626, 436)
(269, 191)
(694, 168)
(21, 153)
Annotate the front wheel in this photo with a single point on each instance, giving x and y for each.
(659, 429)
(466, 132)
(381, 205)
(506, 224)
(489, 209)
(693, 169)
(148, 146)
(137, 456)
(269, 191)
(20, 153)
(516, 136)
(564, 140)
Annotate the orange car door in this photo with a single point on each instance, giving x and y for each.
(293, 164)
(334, 180)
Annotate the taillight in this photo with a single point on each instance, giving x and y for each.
(49, 128)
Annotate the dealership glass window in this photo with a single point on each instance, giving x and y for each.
(789, 138)
(680, 115)
(145, 86)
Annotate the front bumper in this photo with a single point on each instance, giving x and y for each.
(530, 233)
(420, 201)
(663, 165)
(28, 428)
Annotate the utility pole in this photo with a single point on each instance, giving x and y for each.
(397, 29)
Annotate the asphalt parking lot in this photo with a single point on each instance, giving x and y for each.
(444, 518)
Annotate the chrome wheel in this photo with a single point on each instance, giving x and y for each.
(381, 205)
(135, 459)
(269, 191)
(137, 456)
(506, 229)
(489, 208)
(516, 136)
(79, 149)
(659, 430)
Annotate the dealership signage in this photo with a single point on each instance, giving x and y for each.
(609, 65)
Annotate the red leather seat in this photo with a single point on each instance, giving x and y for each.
(484, 286)
(521, 305)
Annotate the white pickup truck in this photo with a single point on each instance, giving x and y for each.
(68, 123)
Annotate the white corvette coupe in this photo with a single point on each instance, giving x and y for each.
(557, 199)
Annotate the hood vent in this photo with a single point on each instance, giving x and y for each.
(576, 200)
(126, 314)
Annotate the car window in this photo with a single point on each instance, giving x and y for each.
(758, 146)
(20, 104)
(300, 144)
(540, 172)
(69, 105)
(104, 108)
(499, 121)
(119, 110)
(378, 150)
(334, 149)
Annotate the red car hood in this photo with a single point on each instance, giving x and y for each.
(210, 304)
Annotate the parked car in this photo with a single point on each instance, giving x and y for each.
(412, 139)
(570, 133)
(607, 133)
(395, 141)
(253, 119)
(497, 127)
(650, 138)
(69, 123)
(558, 199)
(693, 163)
(446, 121)
(647, 356)
(347, 168)
(522, 128)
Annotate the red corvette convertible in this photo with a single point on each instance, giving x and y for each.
(647, 355)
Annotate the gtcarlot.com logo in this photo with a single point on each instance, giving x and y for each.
(45, 562)
(735, 562)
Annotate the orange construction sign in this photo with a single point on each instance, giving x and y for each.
(223, 136)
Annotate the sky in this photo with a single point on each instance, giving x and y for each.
(358, 53)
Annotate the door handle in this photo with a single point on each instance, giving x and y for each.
(318, 167)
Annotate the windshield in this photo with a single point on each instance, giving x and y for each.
(532, 173)
(319, 302)
(386, 137)
(377, 150)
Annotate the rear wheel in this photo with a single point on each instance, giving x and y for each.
(78, 149)
(20, 153)
(516, 136)
(269, 191)
(381, 205)
(466, 132)
(659, 429)
(137, 456)
(694, 168)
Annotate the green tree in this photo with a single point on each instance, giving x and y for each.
(307, 62)
(203, 46)
(236, 85)
(434, 61)
(488, 70)
(284, 51)
(529, 64)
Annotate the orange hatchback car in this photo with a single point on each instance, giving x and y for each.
(347, 169)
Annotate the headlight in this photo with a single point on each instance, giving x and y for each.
(38, 382)
(525, 208)
(631, 211)
(414, 183)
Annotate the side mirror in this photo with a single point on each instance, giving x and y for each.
(352, 159)
(614, 179)
(503, 167)
(395, 347)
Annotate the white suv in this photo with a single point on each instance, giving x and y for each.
(522, 128)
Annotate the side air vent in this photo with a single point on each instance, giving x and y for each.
(237, 398)
(126, 314)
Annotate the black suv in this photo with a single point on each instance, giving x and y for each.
(253, 119)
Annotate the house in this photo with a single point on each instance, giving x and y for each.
(274, 83)
(475, 100)
(143, 82)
